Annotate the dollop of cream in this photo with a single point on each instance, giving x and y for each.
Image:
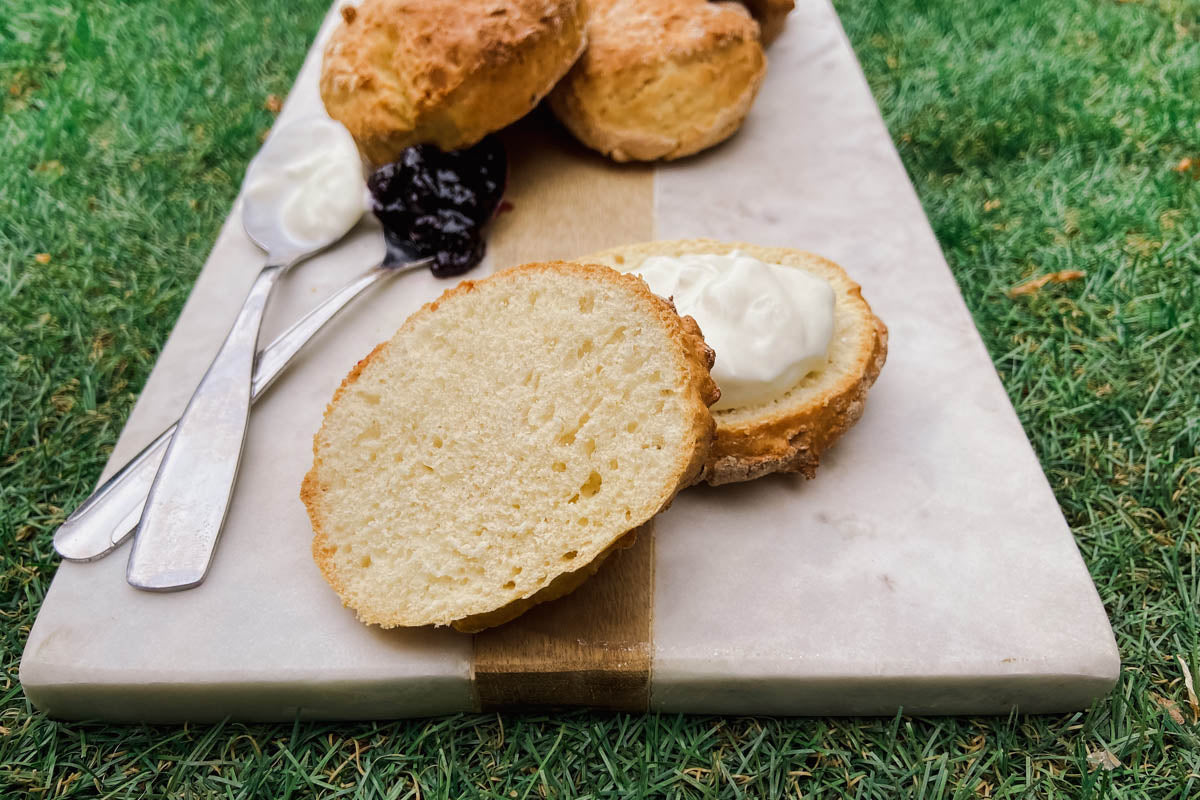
(309, 177)
(769, 324)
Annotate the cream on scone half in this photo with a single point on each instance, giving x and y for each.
(507, 438)
(789, 431)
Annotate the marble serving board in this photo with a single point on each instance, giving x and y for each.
(928, 566)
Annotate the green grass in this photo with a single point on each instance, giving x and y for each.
(1040, 137)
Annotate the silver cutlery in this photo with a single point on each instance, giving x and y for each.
(107, 518)
(295, 204)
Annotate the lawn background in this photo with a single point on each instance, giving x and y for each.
(1039, 139)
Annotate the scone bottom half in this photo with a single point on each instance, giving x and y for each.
(503, 442)
(791, 432)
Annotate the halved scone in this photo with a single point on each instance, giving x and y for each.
(505, 440)
(791, 431)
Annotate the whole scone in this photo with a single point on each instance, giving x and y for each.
(788, 433)
(507, 439)
(445, 72)
(661, 78)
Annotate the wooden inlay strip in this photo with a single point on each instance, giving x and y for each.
(591, 648)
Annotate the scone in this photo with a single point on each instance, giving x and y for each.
(790, 432)
(661, 78)
(505, 440)
(445, 72)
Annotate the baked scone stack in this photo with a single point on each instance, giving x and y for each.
(633, 79)
(517, 430)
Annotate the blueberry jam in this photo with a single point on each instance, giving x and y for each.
(435, 203)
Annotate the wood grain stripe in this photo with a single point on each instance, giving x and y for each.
(567, 201)
(591, 648)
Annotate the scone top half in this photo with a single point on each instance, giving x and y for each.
(509, 433)
(445, 72)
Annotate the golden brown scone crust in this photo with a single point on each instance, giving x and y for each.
(790, 433)
(771, 16)
(445, 72)
(661, 78)
(693, 356)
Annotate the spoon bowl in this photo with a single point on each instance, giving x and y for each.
(262, 225)
(304, 190)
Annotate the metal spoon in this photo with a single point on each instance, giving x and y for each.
(109, 516)
(186, 507)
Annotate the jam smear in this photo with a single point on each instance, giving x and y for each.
(436, 203)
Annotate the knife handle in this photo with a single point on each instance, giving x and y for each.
(109, 516)
(185, 510)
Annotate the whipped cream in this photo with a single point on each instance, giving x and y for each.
(310, 176)
(769, 324)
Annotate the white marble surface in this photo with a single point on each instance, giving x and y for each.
(928, 567)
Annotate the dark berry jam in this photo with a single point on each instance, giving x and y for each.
(435, 203)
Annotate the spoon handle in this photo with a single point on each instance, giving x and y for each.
(108, 517)
(186, 507)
